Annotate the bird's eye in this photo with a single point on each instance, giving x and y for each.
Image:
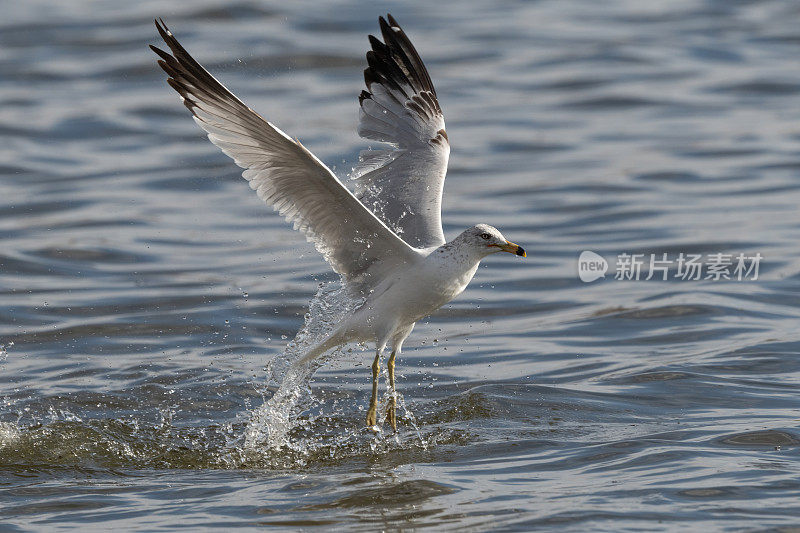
(485, 236)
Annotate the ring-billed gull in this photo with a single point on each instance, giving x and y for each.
(386, 240)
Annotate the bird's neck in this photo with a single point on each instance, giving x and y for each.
(455, 252)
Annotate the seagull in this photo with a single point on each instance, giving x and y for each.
(385, 239)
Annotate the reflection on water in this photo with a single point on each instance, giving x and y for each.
(144, 289)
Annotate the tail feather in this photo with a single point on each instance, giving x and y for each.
(316, 351)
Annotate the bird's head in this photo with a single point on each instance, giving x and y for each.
(489, 240)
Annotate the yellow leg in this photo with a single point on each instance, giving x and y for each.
(372, 413)
(390, 410)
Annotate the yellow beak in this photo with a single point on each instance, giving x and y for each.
(511, 248)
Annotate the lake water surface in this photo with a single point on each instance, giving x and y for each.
(144, 287)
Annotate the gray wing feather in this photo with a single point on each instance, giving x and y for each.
(286, 175)
(403, 184)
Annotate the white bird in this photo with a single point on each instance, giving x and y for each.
(386, 240)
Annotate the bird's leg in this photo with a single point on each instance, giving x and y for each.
(372, 413)
(390, 409)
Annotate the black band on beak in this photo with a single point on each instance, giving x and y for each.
(520, 251)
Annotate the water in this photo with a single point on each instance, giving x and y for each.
(144, 288)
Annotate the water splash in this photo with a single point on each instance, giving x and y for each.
(9, 433)
(4, 351)
(270, 424)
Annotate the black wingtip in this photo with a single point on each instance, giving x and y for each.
(394, 61)
(162, 28)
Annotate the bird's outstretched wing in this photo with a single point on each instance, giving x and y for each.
(402, 184)
(284, 174)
